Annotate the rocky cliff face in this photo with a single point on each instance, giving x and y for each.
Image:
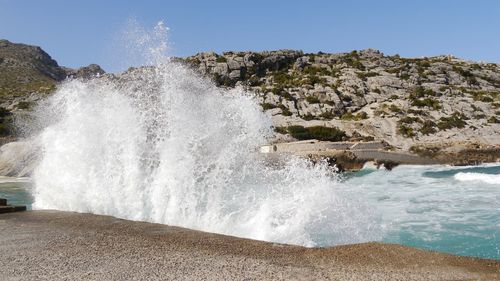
(406, 102)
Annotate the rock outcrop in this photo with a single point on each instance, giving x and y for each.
(404, 101)
(18, 159)
(86, 72)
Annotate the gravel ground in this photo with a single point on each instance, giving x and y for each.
(53, 245)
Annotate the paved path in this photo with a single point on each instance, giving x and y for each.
(51, 245)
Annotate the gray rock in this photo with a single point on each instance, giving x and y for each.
(90, 71)
(235, 74)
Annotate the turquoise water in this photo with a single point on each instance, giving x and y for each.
(16, 192)
(447, 209)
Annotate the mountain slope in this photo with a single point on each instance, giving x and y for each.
(27, 74)
(25, 69)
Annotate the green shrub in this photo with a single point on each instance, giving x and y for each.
(482, 96)
(359, 116)
(421, 92)
(409, 120)
(347, 116)
(443, 88)
(357, 64)
(494, 120)
(282, 78)
(221, 80)
(429, 102)
(404, 76)
(395, 70)
(461, 71)
(221, 59)
(328, 115)
(381, 109)
(284, 110)
(6, 123)
(469, 77)
(379, 112)
(280, 91)
(4, 112)
(314, 70)
(311, 99)
(456, 120)
(394, 108)
(297, 131)
(281, 130)
(418, 112)
(424, 64)
(254, 81)
(428, 128)
(314, 79)
(476, 66)
(406, 131)
(308, 117)
(316, 132)
(365, 75)
(352, 59)
(267, 106)
(345, 97)
(194, 61)
(5, 130)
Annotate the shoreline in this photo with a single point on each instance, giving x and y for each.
(18, 159)
(58, 245)
(352, 156)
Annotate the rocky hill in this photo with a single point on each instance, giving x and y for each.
(412, 103)
(420, 104)
(27, 74)
(25, 69)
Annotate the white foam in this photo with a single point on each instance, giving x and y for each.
(485, 178)
(167, 146)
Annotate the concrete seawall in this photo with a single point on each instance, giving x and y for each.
(398, 157)
(53, 245)
(348, 155)
(314, 145)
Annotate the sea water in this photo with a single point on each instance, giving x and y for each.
(447, 209)
(17, 191)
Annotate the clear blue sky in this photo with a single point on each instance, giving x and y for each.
(77, 33)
